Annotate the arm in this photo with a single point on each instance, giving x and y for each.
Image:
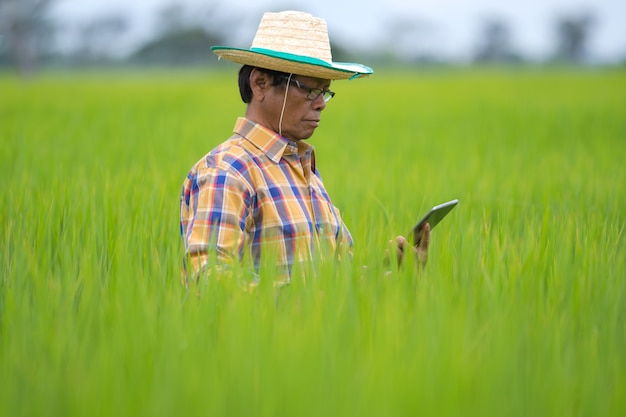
(214, 206)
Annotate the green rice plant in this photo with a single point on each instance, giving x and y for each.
(520, 311)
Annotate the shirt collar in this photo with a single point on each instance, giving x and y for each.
(273, 145)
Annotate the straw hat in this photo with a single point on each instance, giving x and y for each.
(293, 42)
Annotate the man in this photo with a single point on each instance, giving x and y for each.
(259, 195)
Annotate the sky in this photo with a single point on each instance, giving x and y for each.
(448, 27)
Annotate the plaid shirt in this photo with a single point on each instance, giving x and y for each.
(258, 192)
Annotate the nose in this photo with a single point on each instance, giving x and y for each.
(319, 103)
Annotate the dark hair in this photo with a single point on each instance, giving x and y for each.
(245, 91)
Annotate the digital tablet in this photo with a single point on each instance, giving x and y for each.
(433, 217)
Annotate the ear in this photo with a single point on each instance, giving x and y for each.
(260, 83)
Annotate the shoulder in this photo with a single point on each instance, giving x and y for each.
(229, 155)
(231, 159)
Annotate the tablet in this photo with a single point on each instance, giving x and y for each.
(433, 217)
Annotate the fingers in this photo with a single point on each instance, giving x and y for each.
(424, 237)
(422, 248)
(400, 243)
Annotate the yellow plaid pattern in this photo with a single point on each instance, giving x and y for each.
(255, 194)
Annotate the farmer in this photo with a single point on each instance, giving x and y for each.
(260, 191)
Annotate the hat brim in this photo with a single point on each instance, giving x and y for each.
(291, 63)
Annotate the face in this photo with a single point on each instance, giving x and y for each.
(301, 116)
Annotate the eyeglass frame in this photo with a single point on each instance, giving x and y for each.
(312, 93)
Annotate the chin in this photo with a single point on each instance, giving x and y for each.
(307, 135)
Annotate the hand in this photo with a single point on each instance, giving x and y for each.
(420, 250)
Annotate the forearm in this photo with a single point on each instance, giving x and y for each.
(202, 259)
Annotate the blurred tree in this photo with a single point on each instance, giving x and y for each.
(183, 37)
(99, 37)
(411, 39)
(496, 44)
(173, 18)
(573, 33)
(187, 46)
(24, 32)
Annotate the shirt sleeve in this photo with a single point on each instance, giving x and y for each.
(214, 206)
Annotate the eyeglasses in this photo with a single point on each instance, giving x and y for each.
(313, 93)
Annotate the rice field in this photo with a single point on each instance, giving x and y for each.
(521, 310)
